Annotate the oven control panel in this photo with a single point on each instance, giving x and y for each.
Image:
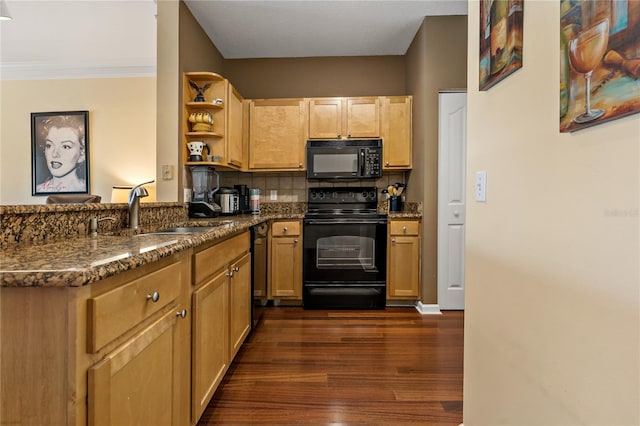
(343, 195)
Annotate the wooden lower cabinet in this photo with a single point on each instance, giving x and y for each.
(210, 342)
(133, 385)
(240, 300)
(403, 259)
(139, 379)
(285, 252)
(221, 303)
(147, 346)
(100, 354)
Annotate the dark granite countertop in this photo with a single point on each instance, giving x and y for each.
(81, 260)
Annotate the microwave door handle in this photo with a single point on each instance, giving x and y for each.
(362, 161)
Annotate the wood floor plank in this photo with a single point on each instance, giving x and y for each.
(382, 367)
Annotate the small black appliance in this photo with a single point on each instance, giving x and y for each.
(243, 199)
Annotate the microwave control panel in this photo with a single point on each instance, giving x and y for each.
(372, 162)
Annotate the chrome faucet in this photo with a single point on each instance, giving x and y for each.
(136, 193)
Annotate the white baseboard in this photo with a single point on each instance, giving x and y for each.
(431, 309)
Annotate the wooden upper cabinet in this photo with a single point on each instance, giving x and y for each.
(363, 117)
(235, 146)
(325, 118)
(395, 117)
(331, 118)
(277, 134)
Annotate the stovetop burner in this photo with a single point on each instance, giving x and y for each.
(343, 201)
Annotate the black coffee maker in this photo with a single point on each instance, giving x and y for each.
(243, 199)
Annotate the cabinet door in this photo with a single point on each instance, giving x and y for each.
(363, 117)
(240, 303)
(396, 132)
(209, 336)
(403, 267)
(325, 118)
(134, 384)
(278, 134)
(286, 268)
(234, 131)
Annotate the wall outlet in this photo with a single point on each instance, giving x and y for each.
(167, 172)
(481, 186)
(273, 195)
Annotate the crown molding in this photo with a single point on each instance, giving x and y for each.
(35, 71)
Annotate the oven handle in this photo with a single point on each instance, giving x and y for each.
(349, 221)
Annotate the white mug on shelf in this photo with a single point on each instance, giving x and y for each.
(195, 150)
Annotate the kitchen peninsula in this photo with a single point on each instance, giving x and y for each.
(124, 325)
(111, 329)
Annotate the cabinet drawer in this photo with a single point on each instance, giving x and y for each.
(114, 313)
(209, 261)
(285, 229)
(404, 227)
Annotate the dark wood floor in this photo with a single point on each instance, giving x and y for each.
(392, 367)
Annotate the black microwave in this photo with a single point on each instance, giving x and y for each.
(344, 159)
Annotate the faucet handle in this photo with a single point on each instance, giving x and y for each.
(93, 224)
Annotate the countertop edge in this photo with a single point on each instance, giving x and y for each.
(106, 268)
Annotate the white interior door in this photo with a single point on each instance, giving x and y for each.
(452, 147)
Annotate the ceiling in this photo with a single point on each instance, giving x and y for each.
(309, 28)
(103, 38)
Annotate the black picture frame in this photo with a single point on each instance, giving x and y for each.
(65, 168)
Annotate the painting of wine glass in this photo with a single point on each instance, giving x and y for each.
(500, 40)
(599, 61)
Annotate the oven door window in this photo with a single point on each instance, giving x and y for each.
(346, 252)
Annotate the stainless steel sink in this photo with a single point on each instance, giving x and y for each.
(183, 230)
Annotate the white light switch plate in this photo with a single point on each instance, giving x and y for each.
(167, 172)
(481, 186)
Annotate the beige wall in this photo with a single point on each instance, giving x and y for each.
(122, 119)
(317, 77)
(169, 101)
(552, 323)
(436, 60)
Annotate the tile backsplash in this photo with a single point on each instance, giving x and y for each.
(292, 187)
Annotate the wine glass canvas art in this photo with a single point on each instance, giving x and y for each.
(599, 61)
(500, 40)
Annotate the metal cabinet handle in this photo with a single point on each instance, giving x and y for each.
(386, 163)
(236, 269)
(154, 297)
(230, 274)
(285, 229)
(182, 313)
(393, 240)
(456, 213)
(404, 229)
(299, 165)
(339, 135)
(295, 241)
(349, 135)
